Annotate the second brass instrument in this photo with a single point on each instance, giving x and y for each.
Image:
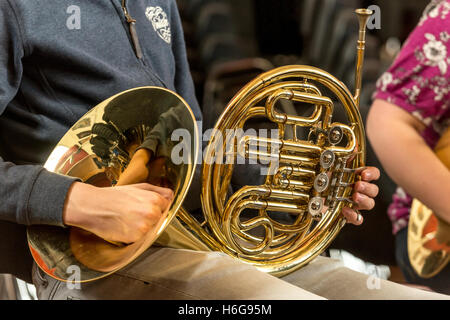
(423, 225)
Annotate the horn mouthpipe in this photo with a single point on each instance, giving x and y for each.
(363, 17)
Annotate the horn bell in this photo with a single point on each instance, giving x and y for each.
(96, 150)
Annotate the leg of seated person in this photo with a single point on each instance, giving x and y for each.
(7, 287)
(166, 273)
(329, 278)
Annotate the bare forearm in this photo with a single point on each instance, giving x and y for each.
(121, 214)
(409, 161)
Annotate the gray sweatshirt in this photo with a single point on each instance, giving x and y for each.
(58, 59)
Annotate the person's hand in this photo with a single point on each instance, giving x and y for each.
(363, 194)
(119, 214)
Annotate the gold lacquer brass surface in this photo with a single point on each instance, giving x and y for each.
(251, 223)
(121, 124)
(423, 225)
(279, 224)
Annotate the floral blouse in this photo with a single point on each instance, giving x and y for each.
(418, 82)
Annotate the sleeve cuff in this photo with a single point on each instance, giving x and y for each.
(395, 100)
(47, 198)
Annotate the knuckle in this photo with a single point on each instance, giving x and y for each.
(350, 215)
(170, 193)
(153, 213)
(360, 186)
(157, 199)
(144, 228)
(149, 214)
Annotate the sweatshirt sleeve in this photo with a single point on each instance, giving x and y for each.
(28, 194)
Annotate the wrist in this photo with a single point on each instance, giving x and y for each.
(75, 211)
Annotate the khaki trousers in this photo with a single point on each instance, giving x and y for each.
(8, 289)
(168, 274)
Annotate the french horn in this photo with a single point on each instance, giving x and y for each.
(278, 226)
(422, 226)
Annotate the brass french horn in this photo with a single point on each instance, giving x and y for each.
(277, 226)
(422, 226)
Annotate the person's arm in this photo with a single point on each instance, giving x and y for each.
(121, 214)
(395, 135)
(124, 213)
(408, 111)
(28, 193)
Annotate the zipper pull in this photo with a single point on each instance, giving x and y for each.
(134, 36)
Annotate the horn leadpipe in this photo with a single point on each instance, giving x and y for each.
(363, 17)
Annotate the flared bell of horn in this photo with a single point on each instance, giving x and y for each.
(96, 150)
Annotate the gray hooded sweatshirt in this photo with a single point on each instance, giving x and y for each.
(58, 59)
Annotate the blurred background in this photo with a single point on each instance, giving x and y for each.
(231, 41)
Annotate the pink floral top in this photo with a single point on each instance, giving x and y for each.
(418, 82)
